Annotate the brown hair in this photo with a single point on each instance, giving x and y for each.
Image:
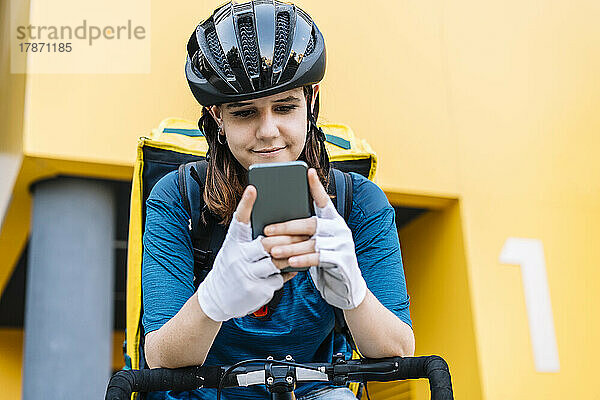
(226, 178)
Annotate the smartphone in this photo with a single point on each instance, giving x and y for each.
(282, 195)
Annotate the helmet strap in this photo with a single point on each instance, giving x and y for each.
(324, 158)
(319, 131)
(320, 135)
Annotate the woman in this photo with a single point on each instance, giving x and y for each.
(260, 103)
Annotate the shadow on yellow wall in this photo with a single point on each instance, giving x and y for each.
(438, 283)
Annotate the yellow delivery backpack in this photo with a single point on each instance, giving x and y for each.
(177, 142)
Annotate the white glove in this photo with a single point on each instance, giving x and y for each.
(243, 277)
(337, 277)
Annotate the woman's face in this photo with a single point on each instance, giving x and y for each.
(265, 130)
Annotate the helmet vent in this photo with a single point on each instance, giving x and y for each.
(221, 13)
(248, 44)
(311, 44)
(241, 7)
(304, 15)
(282, 32)
(217, 52)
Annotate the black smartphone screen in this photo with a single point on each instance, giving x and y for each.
(282, 194)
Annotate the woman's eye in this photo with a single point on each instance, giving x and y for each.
(243, 113)
(286, 109)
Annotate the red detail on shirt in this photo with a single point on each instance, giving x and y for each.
(261, 312)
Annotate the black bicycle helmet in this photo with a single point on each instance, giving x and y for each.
(254, 49)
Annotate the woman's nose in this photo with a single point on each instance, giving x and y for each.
(267, 127)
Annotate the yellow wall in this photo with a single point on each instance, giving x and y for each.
(522, 95)
(12, 99)
(493, 104)
(12, 91)
(404, 71)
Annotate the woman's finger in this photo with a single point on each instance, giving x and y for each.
(244, 208)
(280, 263)
(303, 226)
(304, 260)
(318, 192)
(289, 250)
(271, 241)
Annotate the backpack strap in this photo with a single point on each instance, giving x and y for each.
(342, 184)
(349, 198)
(182, 181)
(207, 234)
(203, 240)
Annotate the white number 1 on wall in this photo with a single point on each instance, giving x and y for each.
(529, 254)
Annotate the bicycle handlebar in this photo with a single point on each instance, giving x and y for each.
(434, 368)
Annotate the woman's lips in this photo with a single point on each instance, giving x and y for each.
(269, 152)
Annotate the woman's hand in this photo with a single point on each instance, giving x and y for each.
(243, 277)
(329, 251)
(278, 258)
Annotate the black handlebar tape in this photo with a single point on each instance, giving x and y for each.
(123, 383)
(432, 367)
